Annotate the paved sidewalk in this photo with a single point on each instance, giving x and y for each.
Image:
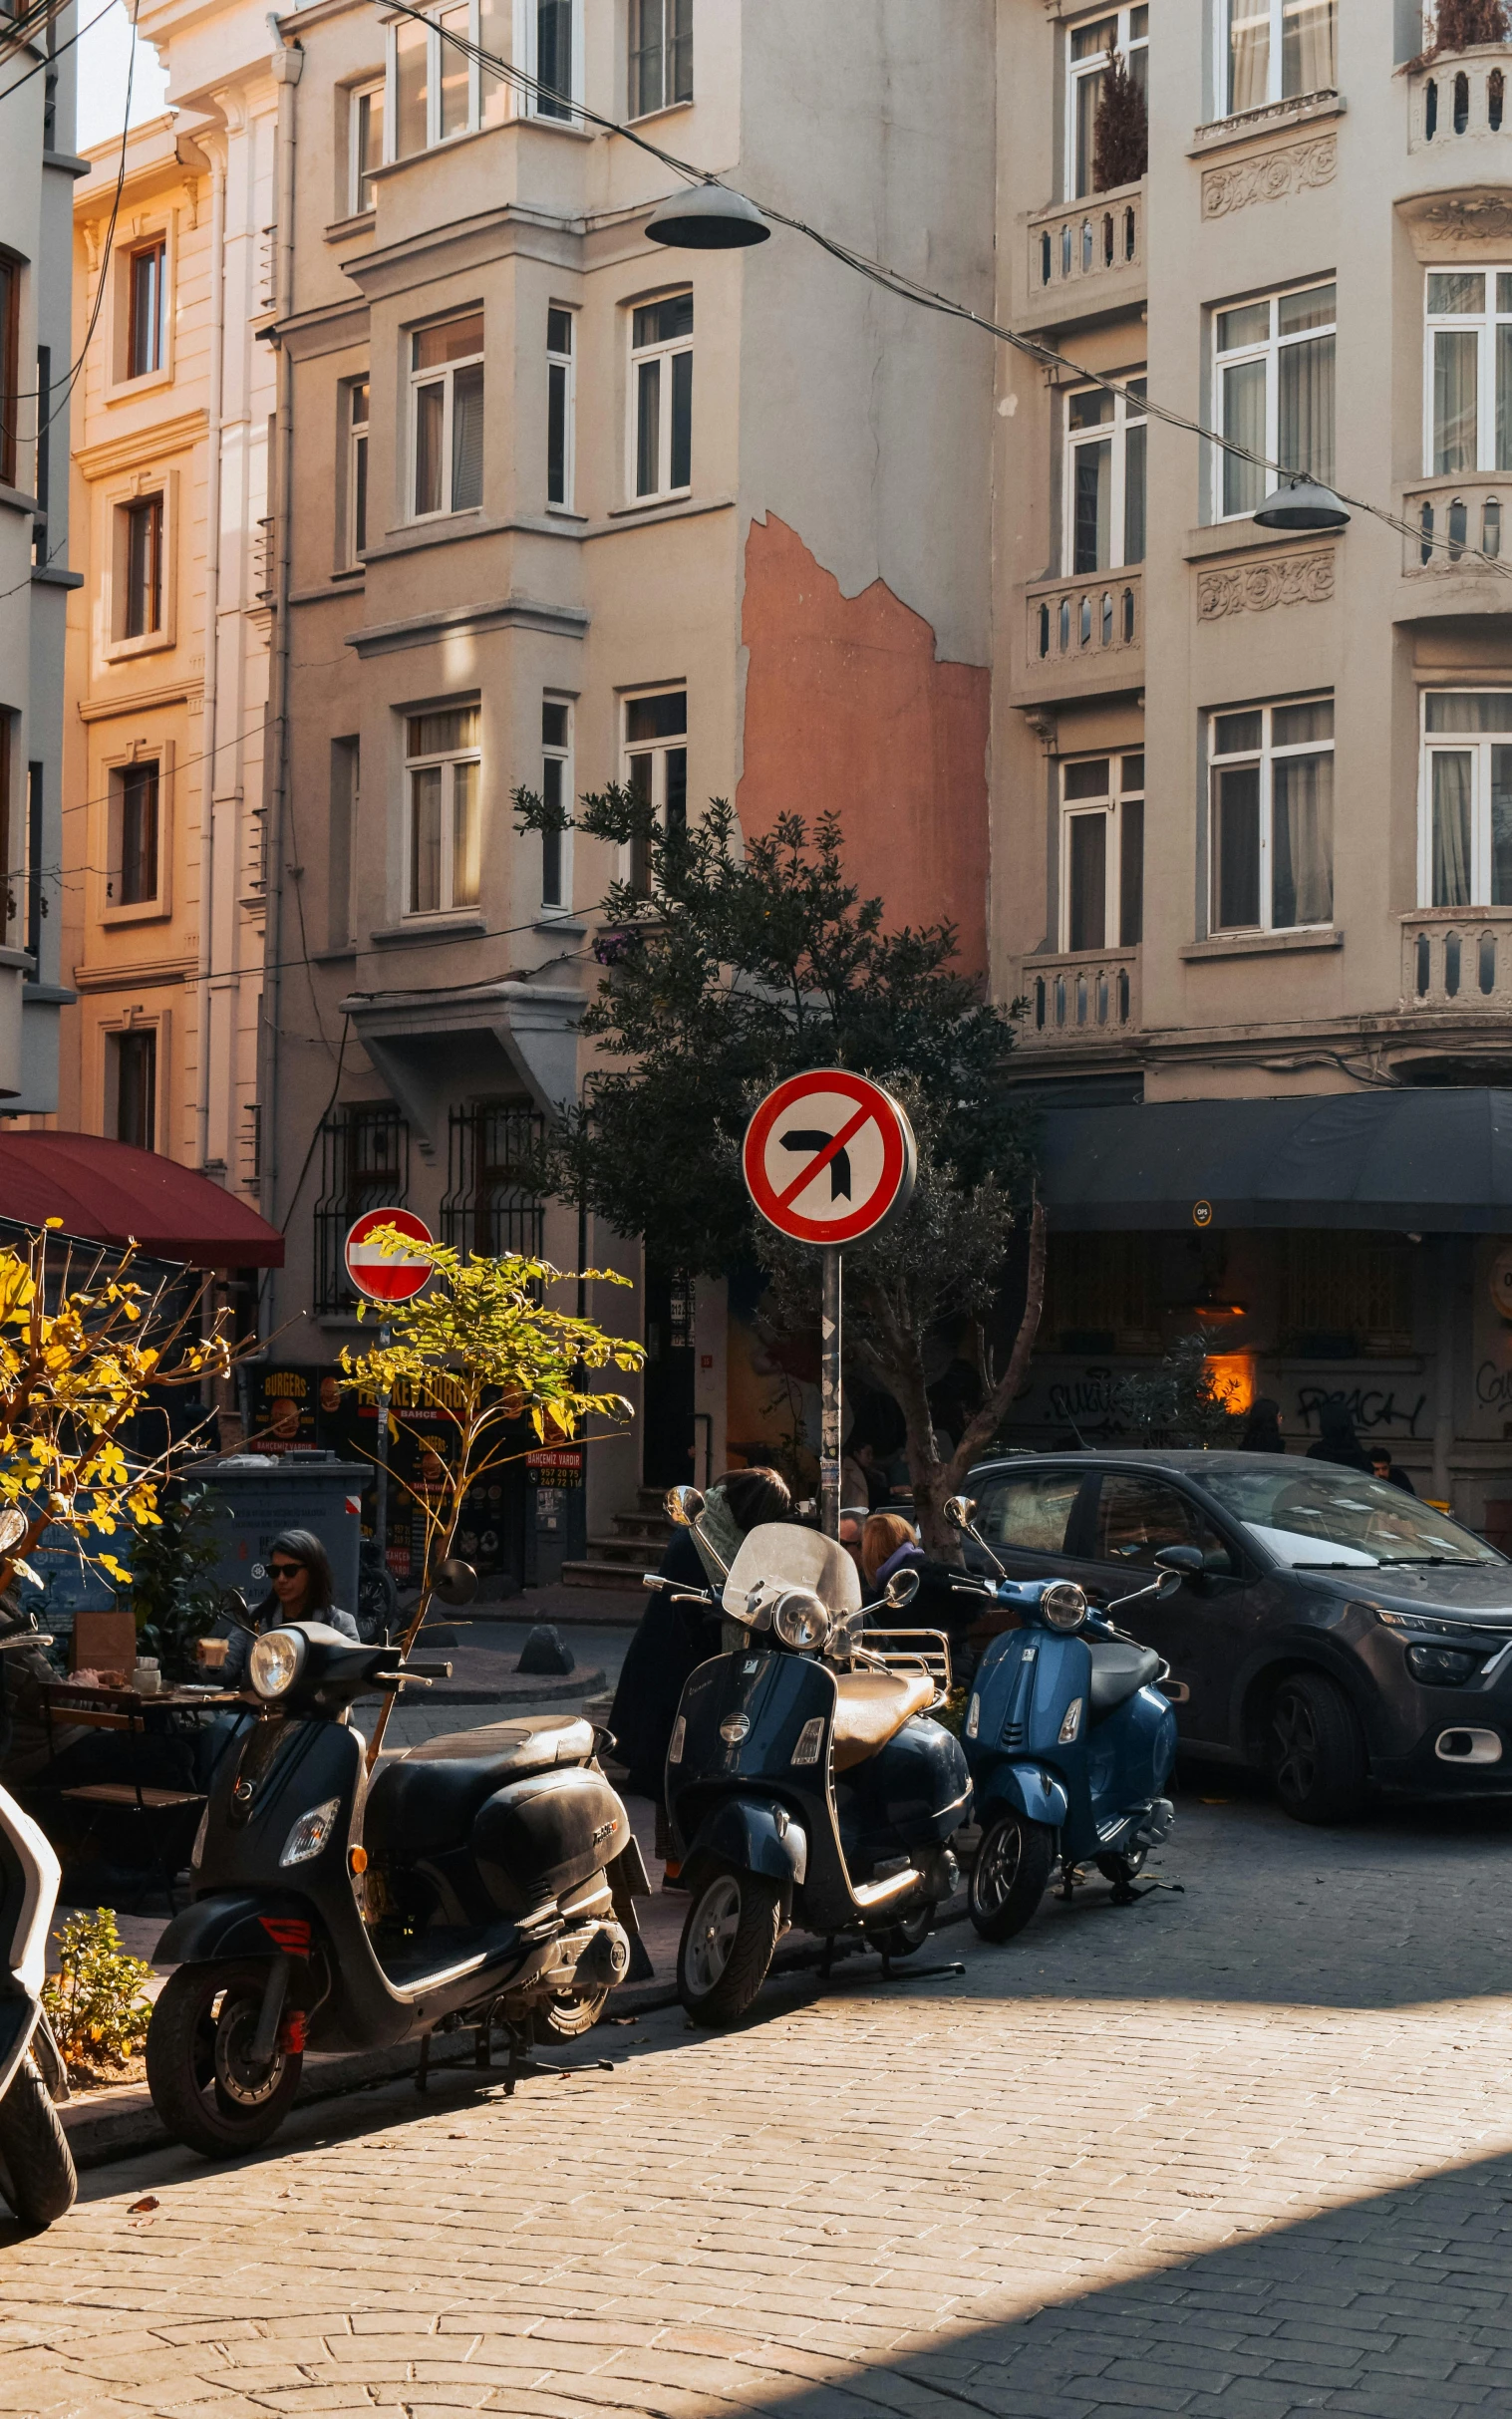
(1238, 2154)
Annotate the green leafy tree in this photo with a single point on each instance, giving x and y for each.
(96, 2000)
(729, 967)
(1181, 1402)
(1120, 131)
(172, 1598)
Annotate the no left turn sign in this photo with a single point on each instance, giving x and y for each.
(827, 1157)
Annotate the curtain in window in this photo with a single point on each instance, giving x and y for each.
(1244, 482)
(430, 412)
(1087, 923)
(1308, 47)
(1501, 827)
(1305, 434)
(553, 57)
(1452, 771)
(1249, 55)
(1133, 496)
(1236, 848)
(467, 438)
(425, 840)
(1454, 373)
(496, 35)
(464, 836)
(1092, 486)
(1302, 840)
(1089, 102)
(411, 54)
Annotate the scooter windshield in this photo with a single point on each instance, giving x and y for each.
(780, 1556)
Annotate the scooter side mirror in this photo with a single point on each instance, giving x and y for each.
(901, 1588)
(456, 1583)
(233, 1606)
(682, 1506)
(960, 1510)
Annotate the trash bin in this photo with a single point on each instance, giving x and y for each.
(255, 1495)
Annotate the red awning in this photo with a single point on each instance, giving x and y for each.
(109, 1192)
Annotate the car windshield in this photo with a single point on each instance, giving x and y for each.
(1322, 1519)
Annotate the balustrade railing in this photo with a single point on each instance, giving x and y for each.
(1078, 998)
(1091, 614)
(1457, 956)
(1460, 95)
(1454, 522)
(1094, 237)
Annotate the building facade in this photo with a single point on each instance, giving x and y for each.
(36, 354)
(1254, 786)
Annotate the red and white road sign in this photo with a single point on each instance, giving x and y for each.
(395, 1276)
(827, 1157)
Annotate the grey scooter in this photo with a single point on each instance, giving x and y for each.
(36, 2165)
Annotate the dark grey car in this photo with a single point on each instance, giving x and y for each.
(1339, 1635)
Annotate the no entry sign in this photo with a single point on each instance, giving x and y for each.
(392, 1277)
(827, 1157)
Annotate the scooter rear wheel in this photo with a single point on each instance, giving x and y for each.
(203, 2086)
(36, 2165)
(728, 1943)
(911, 1930)
(567, 2013)
(1011, 1874)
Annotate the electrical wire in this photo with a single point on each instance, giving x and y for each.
(57, 52)
(910, 289)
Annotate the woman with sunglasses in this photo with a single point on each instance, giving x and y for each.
(303, 1589)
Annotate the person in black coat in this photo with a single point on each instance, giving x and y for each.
(1337, 1440)
(1262, 1427)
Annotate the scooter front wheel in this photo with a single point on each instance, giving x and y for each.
(728, 1943)
(1011, 1874)
(36, 2165)
(203, 2084)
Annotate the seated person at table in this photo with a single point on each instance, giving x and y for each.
(303, 1589)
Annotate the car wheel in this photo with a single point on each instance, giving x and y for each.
(1317, 1751)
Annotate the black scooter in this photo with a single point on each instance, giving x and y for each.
(802, 1787)
(484, 1878)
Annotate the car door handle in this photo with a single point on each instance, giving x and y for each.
(1176, 1689)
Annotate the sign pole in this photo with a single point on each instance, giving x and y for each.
(381, 1492)
(829, 1412)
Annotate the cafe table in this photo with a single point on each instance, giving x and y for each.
(156, 1815)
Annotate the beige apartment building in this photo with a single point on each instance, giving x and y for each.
(164, 901)
(1254, 786)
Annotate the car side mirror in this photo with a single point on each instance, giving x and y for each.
(901, 1588)
(960, 1510)
(683, 1505)
(1185, 1561)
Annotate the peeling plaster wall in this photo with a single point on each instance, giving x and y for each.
(848, 709)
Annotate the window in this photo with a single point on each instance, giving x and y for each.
(1104, 478)
(1344, 1295)
(441, 760)
(36, 903)
(1102, 853)
(1103, 1295)
(660, 390)
(357, 469)
(446, 416)
(1032, 1513)
(1137, 1516)
(133, 877)
(141, 541)
(1271, 847)
(1469, 371)
(346, 800)
(134, 1073)
(1275, 378)
(146, 307)
(660, 55)
(489, 1206)
(10, 367)
(559, 408)
(43, 482)
(554, 66)
(435, 88)
(1465, 850)
(364, 1165)
(556, 792)
(367, 145)
(1279, 50)
(1125, 30)
(655, 766)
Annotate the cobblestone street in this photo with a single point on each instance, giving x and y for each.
(1243, 2151)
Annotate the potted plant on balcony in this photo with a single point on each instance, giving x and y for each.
(1121, 131)
(1459, 25)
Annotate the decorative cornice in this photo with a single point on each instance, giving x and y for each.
(469, 621)
(125, 452)
(141, 700)
(1298, 168)
(1288, 579)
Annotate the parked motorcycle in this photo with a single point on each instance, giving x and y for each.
(36, 2165)
(802, 1787)
(481, 1880)
(1068, 1740)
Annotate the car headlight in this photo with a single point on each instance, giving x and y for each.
(1063, 1606)
(312, 1830)
(800, 1619)
(1442, 1666)
(273, 1665)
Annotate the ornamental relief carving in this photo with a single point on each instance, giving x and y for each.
(1471, 218)
(1271, 176)
(1295, 579)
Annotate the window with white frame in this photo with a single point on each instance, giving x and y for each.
(1103, 852)
(357, 469)
(436, 85)
(366, 143)
(135, 794)
(560, 407)
(556, 34)
(1090, 47)
(1274, 372)
(446, 417)
(655, 766)
(661, 396)
(1468, 402)
(442, 768)
(1277, 50)
(147, 307)
(556, 795)
(660, 55)
(1271, 833)
(1465, 822)
(139, 556)
(1105, 476)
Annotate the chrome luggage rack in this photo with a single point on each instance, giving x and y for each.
(908, 1650)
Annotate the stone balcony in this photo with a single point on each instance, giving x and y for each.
(1461, 98)
(1083, 635)
(1456, 556)
(1457, 959)
(1087, 257)
(1086, 998)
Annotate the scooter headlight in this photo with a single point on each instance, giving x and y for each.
(274, 1663)
(802, 1618)
(1063, 1607)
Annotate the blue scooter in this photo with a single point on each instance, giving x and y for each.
(1068, 1740)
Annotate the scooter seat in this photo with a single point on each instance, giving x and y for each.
(1118, 1673)
(426, 1797)
(871, 1708)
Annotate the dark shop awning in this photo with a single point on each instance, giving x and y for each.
(1416, 1162)
(109, 1192)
